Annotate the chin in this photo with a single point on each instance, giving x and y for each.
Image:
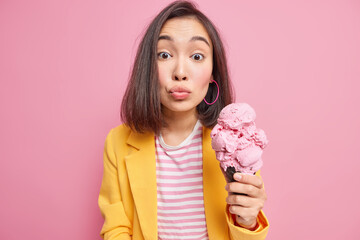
(180, 107)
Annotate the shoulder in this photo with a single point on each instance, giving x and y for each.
(206, 134)
(121, 129)
(118, 134)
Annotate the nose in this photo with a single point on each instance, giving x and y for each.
(180, 71)
(182, 78)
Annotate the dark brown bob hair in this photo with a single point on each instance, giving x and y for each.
(141, 106)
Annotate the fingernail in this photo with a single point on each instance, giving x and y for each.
(237, 176)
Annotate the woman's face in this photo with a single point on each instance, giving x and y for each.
(185, 62)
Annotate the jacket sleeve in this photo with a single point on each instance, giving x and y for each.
(116, 225)
(239, 233)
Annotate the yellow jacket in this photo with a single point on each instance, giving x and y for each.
(128, 193)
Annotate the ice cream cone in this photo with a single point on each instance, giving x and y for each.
(237, 142)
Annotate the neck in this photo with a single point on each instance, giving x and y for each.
(179, 122)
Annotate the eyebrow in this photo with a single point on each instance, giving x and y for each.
(193, 39)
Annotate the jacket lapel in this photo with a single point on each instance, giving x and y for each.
(214, 191)
(141, 168)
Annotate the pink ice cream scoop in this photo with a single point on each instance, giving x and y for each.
(238, 144)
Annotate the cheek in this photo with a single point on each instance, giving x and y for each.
(202, 75)
(162, 75)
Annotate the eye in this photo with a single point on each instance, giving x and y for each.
(197, 57)
(164, 54)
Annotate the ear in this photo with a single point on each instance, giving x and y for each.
(212, 77)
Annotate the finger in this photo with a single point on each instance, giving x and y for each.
(241, 200)
(242, 212)
(236, 187)
(246, 222)
(249, 179)
(246, 216)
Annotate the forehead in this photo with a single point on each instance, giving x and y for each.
(183, 29)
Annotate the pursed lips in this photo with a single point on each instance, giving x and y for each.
(179, 92)
(179, 89)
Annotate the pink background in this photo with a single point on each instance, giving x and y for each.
(63, 69)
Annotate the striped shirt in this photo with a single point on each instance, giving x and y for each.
(180, 209)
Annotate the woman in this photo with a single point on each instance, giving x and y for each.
(161, 178)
